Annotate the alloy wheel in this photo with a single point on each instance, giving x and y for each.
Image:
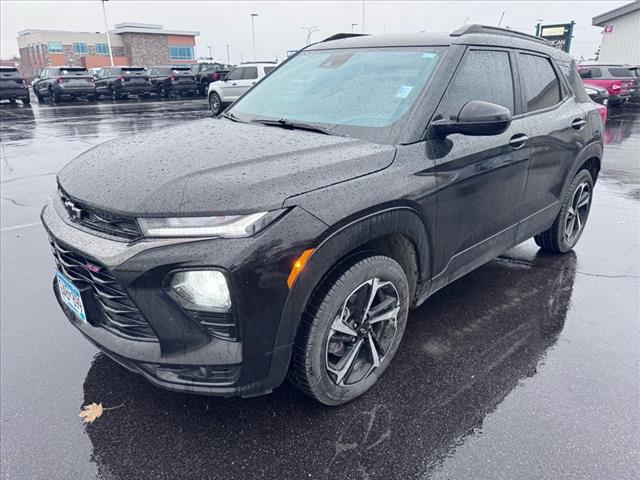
(578, 212)
(362, 332)
(214, 104)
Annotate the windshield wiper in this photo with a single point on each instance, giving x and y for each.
(291, 125)
(232, 117)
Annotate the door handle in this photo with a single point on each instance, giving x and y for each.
(519, 140)
(578, 124)
(234, 84)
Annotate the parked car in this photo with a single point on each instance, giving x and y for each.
(601, 97)
(619, 81)
(237, 81)
(291, 235)
(13, 86)
(207, 73)
(60, 82)
(171, 81)
(120, 82)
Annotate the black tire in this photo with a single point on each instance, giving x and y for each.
(26, 101)
(569, 225)
(205, 88)
(215, 104)
(320, 346)
(91, 98)
(12, 100)
(57, 98)
(114, 93)
(146, 95)
(162, 91)
(40, 98)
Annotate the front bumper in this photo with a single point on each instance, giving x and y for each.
(184, 356)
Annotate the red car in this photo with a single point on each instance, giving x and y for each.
(617, 79)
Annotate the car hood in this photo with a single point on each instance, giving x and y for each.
(215, 166)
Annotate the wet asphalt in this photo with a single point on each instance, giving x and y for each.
(527, 368)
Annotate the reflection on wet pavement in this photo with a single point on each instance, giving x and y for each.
(525, 368)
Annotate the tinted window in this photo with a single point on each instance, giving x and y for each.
(541, 87)
(235, 74)
(571, 74)
(620, 72)
(268, 69)
(250, 73)
(586, 72)
(484, 75)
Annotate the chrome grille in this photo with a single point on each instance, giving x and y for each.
(119, 314)
(100, 220)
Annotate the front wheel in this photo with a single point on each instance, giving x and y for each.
(215, 104)
(351, 331)
(572, 218)
(26, 101)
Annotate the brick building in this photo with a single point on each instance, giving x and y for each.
(131, 44)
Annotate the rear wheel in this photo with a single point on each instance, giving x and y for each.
(114, 93)
(205, 87)
(162, 91)
(26, 100)
(55, 95)
(40, 98)
(572, 218)
(351, 331)
(214, 103)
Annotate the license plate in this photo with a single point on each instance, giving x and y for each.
(71, 296)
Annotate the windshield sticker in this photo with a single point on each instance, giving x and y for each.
(403, 91)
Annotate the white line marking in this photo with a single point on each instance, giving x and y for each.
(17, 227)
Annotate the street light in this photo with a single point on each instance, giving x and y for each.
(353, 27)
(310, 30)
(106, 29)
(210, 54)
(253, 34)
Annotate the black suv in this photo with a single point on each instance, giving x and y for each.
(59, 82)
(292, 235)
(207, 73)
(119, 82)
(172, 81)
(13, 86)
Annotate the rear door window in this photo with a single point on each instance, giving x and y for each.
(483, 75)
(235, 74)
(250, 73)
(268, 69)
(540, 83)
(620, 72)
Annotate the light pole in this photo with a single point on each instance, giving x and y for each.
(353, 27)
(310, 30)
(210, 54)
(362, 16)
(228, 61)
(253, 34)
(106, 29)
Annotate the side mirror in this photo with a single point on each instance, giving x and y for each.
(476, 118)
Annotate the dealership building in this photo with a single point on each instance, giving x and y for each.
(131, 44)
(620, 34)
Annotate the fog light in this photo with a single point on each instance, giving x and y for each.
(205, 288)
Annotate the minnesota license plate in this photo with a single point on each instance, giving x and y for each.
(70, 295)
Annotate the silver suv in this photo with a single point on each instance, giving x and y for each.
(238, 81)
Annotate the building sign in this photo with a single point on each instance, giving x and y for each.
(608, 28)
(558, 35)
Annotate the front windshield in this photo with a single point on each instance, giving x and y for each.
(356, 92)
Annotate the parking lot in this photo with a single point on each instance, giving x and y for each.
(525, 368)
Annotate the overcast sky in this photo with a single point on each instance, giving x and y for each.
(279, 25)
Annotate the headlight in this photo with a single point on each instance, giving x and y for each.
(205, 288)
(228, 226)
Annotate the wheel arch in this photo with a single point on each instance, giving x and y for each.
(589, 158)
(397, 232)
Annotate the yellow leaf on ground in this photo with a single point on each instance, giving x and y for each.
(90, 412)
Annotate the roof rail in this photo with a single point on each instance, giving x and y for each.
(475, 28)
(340, 36)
